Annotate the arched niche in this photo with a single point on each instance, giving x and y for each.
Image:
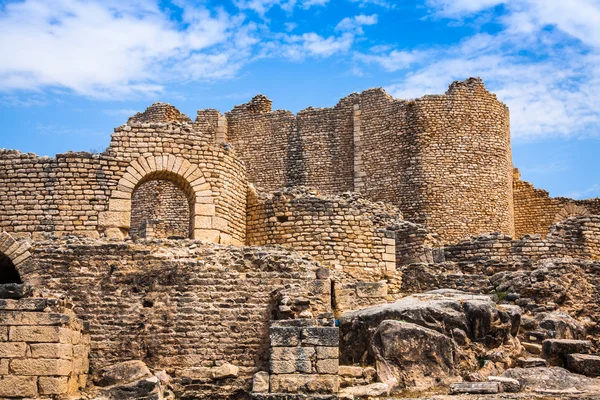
(162, 207)
(204, 224)
(13, 254)
(570, 210)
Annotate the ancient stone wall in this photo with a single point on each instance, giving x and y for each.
(43, 349)
(450, 156)
(176, 305)
(85, 194)
(420, 155)
(577, 237)
(535, 210)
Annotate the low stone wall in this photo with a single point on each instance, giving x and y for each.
(577, 237)
(43, 349)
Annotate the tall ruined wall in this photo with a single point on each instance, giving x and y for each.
(90, 194)
(445, 160)
(314, 148)
(535, 210)
(176, 305)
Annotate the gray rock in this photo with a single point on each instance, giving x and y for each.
(551, 378)
(143, 389)
(531, 362)
(440, 310)
(409, 355)
(476, 387)
(584, 364)
(124, 372)
(557, 350)
(562, 326)
(509, 385)
(372, 390)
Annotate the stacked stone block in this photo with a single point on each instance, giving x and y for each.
(304, 357)
(43, 349)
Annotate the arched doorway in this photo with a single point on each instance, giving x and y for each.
(161, 207)
(8, 272)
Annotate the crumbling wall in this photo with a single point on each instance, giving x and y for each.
(576, 237)
(175, 305)
(535, 210)
(445, 160)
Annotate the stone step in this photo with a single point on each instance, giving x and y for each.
(557, 350)
(531, 362)
(584, 364)
(476, 388)
(509, 385)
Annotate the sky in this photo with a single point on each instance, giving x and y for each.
(72, 70)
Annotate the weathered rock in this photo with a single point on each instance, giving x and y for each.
(143, 389)
(557, 350)
(409, 355)
(372, 390)
(14, 290)
(584, 364)
(509, 385)
(225, 371)
(124, 372)
(476, 387)
(439, 310)
(260, 382)
(551, 378)
(531, 362)
(349, 370)
(533, 348)
(562, 326)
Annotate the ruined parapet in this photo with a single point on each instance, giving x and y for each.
(43, 346)
(157, 113)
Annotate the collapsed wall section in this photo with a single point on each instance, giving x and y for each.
(177, 305)
(536, 211)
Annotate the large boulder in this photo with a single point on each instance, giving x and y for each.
(409, 355)
(123, 372)
(458, 315)
(560, 325)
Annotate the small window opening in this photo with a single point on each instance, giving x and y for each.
(283, 218)
(8, 272)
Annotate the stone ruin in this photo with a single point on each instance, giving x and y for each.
(378, 248)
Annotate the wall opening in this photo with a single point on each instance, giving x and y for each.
(8, 272)
(161, 207)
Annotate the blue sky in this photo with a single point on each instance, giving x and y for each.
(71, 70)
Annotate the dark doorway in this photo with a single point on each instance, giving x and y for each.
(8, 272)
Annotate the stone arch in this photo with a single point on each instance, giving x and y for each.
(205, 225)
(570, 210)
(13, 254)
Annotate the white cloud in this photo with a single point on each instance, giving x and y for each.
(355, 24)
(592, 191)
(382, 3)
(392, 61)
(108, 48)
(543, 64)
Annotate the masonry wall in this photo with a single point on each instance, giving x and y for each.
(176, 305)
(69, 193)
(445, 160)
(535, 210)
